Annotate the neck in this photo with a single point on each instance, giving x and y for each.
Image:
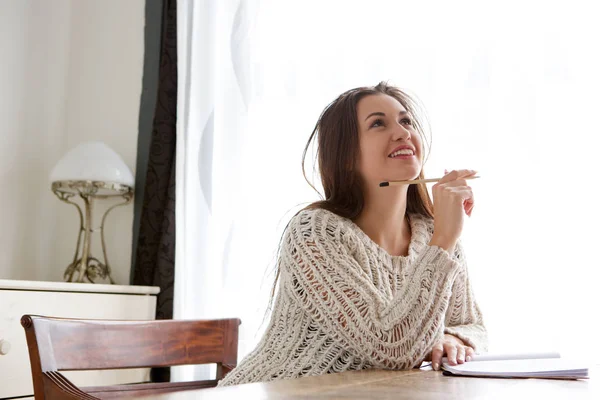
(383, 218)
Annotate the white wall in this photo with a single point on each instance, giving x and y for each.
(33, 81)
(71, 72)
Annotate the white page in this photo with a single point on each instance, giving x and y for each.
(541, 367)
(509, 356)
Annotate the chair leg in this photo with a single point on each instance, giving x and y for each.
(223, 370)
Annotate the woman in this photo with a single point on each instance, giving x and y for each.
(368, 277)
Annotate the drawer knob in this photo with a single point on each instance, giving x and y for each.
(4, 347)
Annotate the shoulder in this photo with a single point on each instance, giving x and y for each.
(320, 226)
(317, 221)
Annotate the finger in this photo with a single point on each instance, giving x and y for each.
(451, 353)
(470, 210)
(460, 354)
(461, 172)
(436, 356)
(450, 176)
(469, 352)
(456, 174)
(457, 196)
(468, 205)
(440, 188)
(465, 194)
(455, 183)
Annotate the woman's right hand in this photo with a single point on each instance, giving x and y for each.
(450, 196)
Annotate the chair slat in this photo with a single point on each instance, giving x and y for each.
(61, 344)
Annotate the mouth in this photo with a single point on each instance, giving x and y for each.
(402, 153)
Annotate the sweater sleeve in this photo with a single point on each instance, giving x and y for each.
(322, 275)
(463, 316)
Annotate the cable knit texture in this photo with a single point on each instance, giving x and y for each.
(344, 303)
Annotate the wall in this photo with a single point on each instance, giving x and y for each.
(72, 72)
(35, 49)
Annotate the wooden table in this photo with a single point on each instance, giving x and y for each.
(414, 384)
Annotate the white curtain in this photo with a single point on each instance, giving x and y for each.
(511, 89)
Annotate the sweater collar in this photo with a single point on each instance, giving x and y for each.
(420, 235)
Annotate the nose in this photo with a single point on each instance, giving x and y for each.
(400, 132)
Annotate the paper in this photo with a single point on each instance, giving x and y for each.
(535, 365)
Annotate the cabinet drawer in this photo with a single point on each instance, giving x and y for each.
(14, 366)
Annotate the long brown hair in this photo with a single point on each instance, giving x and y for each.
(338, 148)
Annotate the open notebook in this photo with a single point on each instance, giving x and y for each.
(523, 365)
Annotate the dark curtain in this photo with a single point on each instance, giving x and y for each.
(154, 258)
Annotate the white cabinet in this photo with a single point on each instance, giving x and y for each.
(71, 300)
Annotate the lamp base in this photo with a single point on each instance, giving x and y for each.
(86, 266)
(94, 270)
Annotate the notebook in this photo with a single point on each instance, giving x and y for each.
(522, 365)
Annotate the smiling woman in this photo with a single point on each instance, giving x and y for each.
(347, 131)
(368, 278)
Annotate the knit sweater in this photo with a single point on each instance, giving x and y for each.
(344, 303)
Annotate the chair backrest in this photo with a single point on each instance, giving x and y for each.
(57, 344)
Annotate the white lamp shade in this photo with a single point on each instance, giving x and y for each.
(92, 161)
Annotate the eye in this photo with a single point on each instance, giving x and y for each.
(377, 122)
(407, 119)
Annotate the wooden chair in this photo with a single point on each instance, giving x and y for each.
(60, 344)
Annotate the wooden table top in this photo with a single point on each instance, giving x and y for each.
(383, 384)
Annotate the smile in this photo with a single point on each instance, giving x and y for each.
(402, 153)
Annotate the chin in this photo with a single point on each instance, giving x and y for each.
(404, 175)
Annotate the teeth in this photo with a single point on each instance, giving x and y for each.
(405, 152)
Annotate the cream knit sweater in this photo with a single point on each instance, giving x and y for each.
(344, 303)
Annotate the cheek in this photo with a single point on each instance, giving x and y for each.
(369, 157)
(419, 145)
(371, 161)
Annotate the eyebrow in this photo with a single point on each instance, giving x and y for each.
(383, 114)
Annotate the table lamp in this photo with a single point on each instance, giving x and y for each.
(91, 171)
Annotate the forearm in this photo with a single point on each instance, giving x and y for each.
(464, 318)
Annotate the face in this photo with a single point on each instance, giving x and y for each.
(390, 147)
